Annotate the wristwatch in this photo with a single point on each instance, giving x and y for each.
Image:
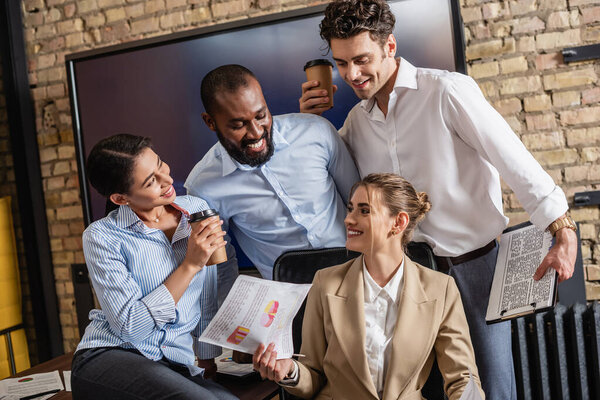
(562, 222)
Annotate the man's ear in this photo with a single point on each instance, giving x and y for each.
(390, 46)
(209, 121)
(118, 199)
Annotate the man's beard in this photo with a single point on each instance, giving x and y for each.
(238, 153)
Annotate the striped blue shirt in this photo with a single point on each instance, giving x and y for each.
(128, 263)
(296, 200)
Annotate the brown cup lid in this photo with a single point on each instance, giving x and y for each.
(200, 215)
(318, 61)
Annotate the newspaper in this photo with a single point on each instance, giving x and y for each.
(257, 311)
(514, 292)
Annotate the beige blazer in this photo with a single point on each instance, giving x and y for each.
(431, 320)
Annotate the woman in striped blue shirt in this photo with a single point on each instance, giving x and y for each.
(148, 267)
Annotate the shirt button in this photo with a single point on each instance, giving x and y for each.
(280, 193)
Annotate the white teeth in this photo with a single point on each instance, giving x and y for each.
(256, 145)
(354, 233)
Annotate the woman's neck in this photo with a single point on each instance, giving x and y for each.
(151, 216)
(383, 264)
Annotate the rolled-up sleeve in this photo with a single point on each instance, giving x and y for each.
(484, 129)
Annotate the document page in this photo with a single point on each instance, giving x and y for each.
(31, 385)
(514, 292)
(257, 311)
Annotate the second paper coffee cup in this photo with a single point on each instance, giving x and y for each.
(321, 70)
(219, 255)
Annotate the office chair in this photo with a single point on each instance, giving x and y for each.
(300, 266)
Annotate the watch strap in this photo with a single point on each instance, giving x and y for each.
(560, 223)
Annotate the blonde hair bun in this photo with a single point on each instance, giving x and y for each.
(424, 200)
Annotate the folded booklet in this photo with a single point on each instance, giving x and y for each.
(514, 292)
(257, 311)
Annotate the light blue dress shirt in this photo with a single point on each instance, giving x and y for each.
(128, 263)
(296, 200)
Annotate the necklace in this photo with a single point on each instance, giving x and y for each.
(160, 215)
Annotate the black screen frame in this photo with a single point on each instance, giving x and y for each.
(72, 59)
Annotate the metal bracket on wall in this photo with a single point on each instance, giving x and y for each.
(581, 53)
(586, 198)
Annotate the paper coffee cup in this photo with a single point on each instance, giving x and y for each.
(320, 70)
(219, 255)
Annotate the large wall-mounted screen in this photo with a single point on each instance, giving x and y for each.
(152, 88)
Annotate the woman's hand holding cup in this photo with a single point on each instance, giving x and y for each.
(205, 239)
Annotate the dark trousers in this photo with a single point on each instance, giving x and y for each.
(492, 343)
(115, 373)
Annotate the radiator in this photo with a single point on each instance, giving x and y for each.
(555, 353)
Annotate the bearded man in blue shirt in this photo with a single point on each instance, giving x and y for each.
(281, 182)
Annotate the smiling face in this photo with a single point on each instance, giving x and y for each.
(152, 183)
(368, 222)
(364, 64)
(243, 124)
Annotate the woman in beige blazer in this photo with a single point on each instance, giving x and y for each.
(373, 325)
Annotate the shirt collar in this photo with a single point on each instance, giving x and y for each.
(373, 290)
(126, 217)
(230, 165)
(405, 78)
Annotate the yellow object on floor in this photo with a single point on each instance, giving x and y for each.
(10, 295)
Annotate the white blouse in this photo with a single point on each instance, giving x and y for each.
(381, 314)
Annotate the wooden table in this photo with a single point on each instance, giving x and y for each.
(245, 390)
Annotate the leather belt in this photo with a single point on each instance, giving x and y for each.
(444, 263)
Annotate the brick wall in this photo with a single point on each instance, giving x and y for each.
(514, 53)
(512, 48)
(8, 187)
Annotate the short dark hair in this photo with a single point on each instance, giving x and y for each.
(110, 163)
(229, 77)
(347, 18)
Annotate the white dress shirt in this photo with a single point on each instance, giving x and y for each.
(381, 314)
(442, 135)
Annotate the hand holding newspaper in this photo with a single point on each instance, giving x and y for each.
(514, 292)
(257, 311)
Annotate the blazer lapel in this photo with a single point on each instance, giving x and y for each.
(348, 320)
(413, 335)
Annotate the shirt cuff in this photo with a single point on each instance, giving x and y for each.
(291, 379)
(550, 208)
(161, 305)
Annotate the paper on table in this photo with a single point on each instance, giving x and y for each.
(31, 384)
(225, 365)
(257, 311)
(67, 376)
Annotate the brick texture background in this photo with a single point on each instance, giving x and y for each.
(512, 48)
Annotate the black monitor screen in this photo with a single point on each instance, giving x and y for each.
(152, 88)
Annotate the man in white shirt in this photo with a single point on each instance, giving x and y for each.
(436, 129)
